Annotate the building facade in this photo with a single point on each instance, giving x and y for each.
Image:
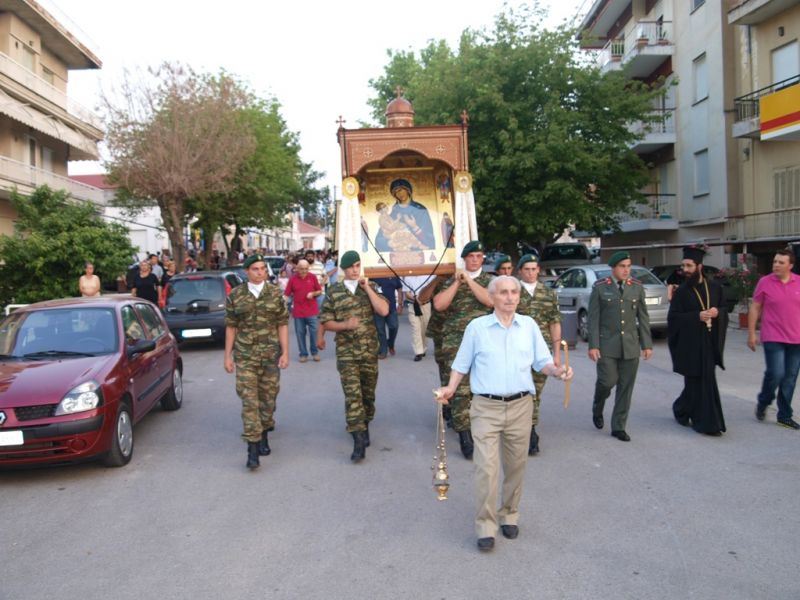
(41, 128)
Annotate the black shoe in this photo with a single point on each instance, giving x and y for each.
(510, 531)
(621, 436)
(467, 447)
(359, 449)
(366, 436)
(485, 544)
(761, 411)
(533, 448)
(598, 421)
(252, 455)
(447, 413)
(263, 445)
(418, 357)
(790, 423)
(713, 433)
(682, 420)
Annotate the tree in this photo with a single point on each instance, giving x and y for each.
(549, 137)
(53, 239)
(176, 139)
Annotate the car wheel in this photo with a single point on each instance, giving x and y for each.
(583, 325)
(122, 440)
(174, 398)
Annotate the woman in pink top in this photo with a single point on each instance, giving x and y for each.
(776, 302)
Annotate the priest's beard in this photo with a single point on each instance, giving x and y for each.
(694, 278)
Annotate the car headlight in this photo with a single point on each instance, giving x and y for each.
(83, 397)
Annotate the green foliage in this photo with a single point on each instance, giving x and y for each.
(53, 239)
(549, 137)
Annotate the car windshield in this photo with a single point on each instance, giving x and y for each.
(75, 331)
(565, 252)
(182, 292)
(640, 273)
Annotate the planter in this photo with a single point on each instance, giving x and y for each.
(742, 320)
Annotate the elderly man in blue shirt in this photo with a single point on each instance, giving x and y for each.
(498, 351)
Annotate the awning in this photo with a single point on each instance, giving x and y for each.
(81, 147)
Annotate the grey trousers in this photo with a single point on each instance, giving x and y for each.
(619, 372)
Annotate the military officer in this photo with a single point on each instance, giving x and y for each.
(619, 329)
(539, 302)
(464, 297)
(257, 342)
(348, 310)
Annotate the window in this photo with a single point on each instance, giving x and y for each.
(28, 58)
(48, 75)
(151, 320)
(47, 158)
(786, 62)
(786, 195)
(701, 172)
(697, 4)
(700, 77)
(134, 332)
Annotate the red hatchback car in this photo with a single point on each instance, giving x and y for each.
(76, 374)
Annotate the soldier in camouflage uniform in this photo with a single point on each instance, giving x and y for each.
(464, 297)
(257, 340)
(540, 303)
(348, 310)
(434, 331)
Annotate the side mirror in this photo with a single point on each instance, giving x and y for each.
(141, 347)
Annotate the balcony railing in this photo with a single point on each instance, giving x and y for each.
(747, 106)
(612, 52)
(14, 173)
(658, 206)
(33, 82)
(645, 34)
(661, 121)
(782, 222)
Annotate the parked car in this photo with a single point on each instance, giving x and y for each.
(489, 261)
(557, 258)
(77, 374)
(194, 304)
(672, 274)
(272, 274)
(574, 287)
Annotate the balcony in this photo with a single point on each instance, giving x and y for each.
(748, 109)
(39, 86)
(25, 179)
(659, 213)
(754, 12)
(655, 133)
(650, 46)
(780, 223)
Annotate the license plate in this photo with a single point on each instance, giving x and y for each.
(654, 300)
(195, 333)
(11, 438)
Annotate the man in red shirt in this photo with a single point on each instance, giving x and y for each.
(304, 289)
(776, 302)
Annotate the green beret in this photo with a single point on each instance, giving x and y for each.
(348, 259)
(473, 246)
(618, 257)
(500, 261)
(526, 258)
(253, 258)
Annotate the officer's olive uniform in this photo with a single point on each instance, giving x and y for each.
(356, 351)
(619, 327)
(256, 351)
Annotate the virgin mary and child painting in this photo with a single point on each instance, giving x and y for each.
(405, 226)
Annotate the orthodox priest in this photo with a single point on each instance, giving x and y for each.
(697, 322)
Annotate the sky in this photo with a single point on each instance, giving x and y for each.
(315, 58)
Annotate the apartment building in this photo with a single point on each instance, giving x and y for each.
(766, 211)
(41, 128)
(691, 155)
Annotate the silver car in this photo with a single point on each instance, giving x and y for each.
(574, 286)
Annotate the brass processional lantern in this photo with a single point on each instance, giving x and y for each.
(441, 479)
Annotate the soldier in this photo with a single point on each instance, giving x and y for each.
(540, 303)
(257, 335)
(619, 328)
(503, 265)
(348, 310)
(464, 297)
(435, 331)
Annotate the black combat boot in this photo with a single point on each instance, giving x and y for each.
(366, 437)
(252, 455)
(359, 448)
(263, 445)
(534, 446)
(467, 447)
(447, 413)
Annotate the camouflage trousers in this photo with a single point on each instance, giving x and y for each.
(257, 384)
(539, 379)
(461, 400)
(441, 362)
(359, 380)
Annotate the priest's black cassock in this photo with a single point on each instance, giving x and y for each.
(696, 352)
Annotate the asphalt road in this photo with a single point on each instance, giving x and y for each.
(672, 514)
